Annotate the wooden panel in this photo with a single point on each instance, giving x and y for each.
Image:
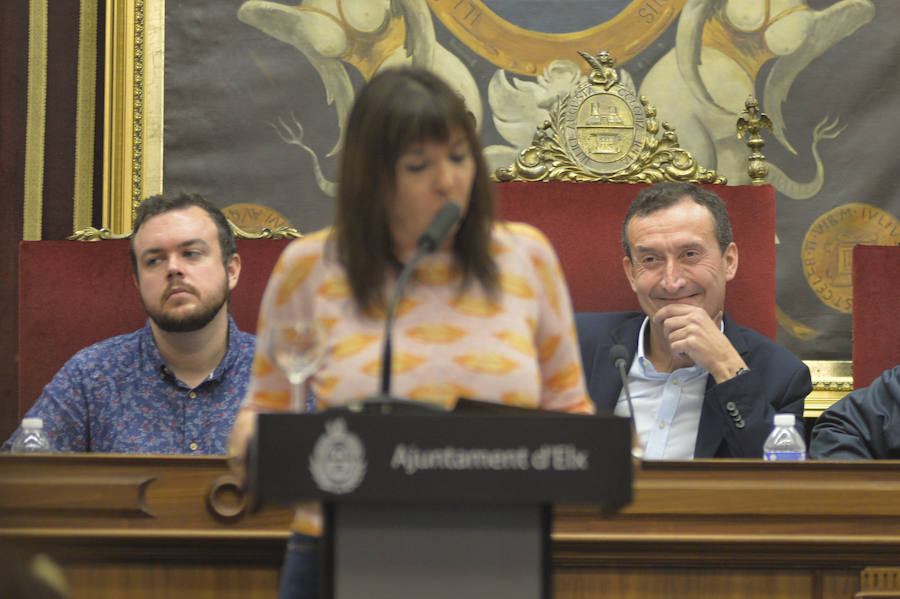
(814, 514)
(150, 495)
(145, 581)
(78, 493)
(723, 528)
(682, 583)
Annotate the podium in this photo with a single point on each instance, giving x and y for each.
(439, 504)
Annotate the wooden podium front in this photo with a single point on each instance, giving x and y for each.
(147, 527)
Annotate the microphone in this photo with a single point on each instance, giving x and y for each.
(433, 235)
(438, 228)
(618, 355)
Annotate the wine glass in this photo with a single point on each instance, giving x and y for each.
(296, 348)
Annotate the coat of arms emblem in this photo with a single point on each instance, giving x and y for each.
(338, 460)
(605, 122)
(604, 131)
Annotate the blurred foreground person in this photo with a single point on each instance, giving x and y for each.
(486, 316)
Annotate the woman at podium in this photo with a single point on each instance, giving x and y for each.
(485, 312)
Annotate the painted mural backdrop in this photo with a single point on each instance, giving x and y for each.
(258, 92)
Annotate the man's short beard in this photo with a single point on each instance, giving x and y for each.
(193, 322)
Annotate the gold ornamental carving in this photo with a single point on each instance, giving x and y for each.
(93, 234)
(255, 221)
(602, 131)
(281, 232)
(285, 232)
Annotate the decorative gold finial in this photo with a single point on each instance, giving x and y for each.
(751, 123)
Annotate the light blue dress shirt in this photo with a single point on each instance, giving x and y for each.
(667, 406)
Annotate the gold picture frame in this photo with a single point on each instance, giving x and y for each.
(132, 108)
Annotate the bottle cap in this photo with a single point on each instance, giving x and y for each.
(784, 420)
(32, 423)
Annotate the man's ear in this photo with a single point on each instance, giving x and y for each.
(233, 270)
(731, 261)
(629, 272)
(134, 279)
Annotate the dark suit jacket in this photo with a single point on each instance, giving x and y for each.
(864, 424)
(737, 415)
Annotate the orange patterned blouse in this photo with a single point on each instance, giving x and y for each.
(517, 348)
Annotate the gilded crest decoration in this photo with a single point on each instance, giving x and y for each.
(602, 131)
(282, 232)
(94, 234)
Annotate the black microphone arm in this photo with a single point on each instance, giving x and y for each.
(618, 355)
(433, 235)
(439, 227)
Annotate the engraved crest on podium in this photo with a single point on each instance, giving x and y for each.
(602, 131)
(338, 460)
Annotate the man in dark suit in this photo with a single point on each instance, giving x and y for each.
(702, 386)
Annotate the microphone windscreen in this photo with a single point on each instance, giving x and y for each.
(618, 352)
(440, 226)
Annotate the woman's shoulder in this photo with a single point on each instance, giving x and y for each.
(305, 251)
(314, 243)
(521, 235)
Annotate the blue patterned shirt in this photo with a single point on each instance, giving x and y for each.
(119, 396)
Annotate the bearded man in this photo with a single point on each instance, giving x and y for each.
(174, 386)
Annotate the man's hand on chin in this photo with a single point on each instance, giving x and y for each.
(693, 334)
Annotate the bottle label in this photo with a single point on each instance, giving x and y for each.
(784, 456)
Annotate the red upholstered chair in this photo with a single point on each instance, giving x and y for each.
(75, 293)
(584, 223)
(876, 311)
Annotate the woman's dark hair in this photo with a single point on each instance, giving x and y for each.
(395, 110)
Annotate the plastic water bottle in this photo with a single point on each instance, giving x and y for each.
(32, 438)
(784, 442)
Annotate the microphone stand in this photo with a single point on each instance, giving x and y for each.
(619, 355)
(430, 239)
(387, 350)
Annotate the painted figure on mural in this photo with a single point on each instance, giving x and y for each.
(721, 41)
(374, 35)
(720, 47)
(370, 35)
